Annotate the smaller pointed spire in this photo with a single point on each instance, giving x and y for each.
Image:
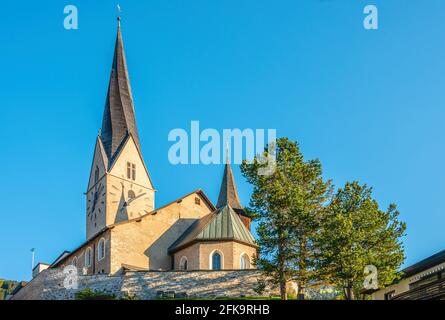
(228, 194)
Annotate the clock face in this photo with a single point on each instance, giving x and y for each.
(131, 201)
(96, 198)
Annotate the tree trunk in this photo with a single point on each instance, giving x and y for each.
(283, 290)
(302, 270)
(281, 268)
(301, 292)
(349, 292)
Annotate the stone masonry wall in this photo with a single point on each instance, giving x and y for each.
(49, 285)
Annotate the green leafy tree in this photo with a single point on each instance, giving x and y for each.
(6, 287)
(287, 204)
(356, 234)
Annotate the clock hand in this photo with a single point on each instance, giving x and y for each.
(131, 200)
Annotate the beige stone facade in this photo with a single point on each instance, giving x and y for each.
(125, 231)
(199, 255)
(142, 242)
(95, 264)
(115, 196)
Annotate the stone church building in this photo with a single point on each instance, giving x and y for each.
(124, 229)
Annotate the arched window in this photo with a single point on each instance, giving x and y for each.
(88, 257)
(74, 262)
(101, 249)
(216, 260)
(244, 261)
(183, 264)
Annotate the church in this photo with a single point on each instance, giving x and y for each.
(124, 229)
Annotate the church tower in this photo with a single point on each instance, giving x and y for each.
(119, 187)
(228, 196)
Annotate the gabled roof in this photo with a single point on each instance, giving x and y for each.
(224, 224)
(119, 117)
(228, 194)
(103, 157)
(102, 152)
(121, 148)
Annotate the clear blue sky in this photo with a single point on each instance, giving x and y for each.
(369, 104)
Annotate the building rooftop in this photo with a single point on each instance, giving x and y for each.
(424, 264)
(223, 224)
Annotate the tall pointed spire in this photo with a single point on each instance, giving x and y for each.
(228, 194)
(119, 118)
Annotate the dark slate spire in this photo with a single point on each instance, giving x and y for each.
(119, 118)
(227, 193)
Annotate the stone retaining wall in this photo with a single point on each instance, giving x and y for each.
(49, 285)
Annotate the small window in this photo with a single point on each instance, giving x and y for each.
(131, 171)
(101, 249)
(88, 257)
(183, 264)
(96, 175)
(244, 261)
(216, 261)
(74, 262)
(198, 201)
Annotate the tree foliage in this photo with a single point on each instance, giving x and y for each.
(306, 234)
(355, 233)
(287, 205)
(6, 288)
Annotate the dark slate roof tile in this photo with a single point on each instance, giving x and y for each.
(119, 117)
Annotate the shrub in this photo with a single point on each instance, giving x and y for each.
(260, 286)
(88, 294)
